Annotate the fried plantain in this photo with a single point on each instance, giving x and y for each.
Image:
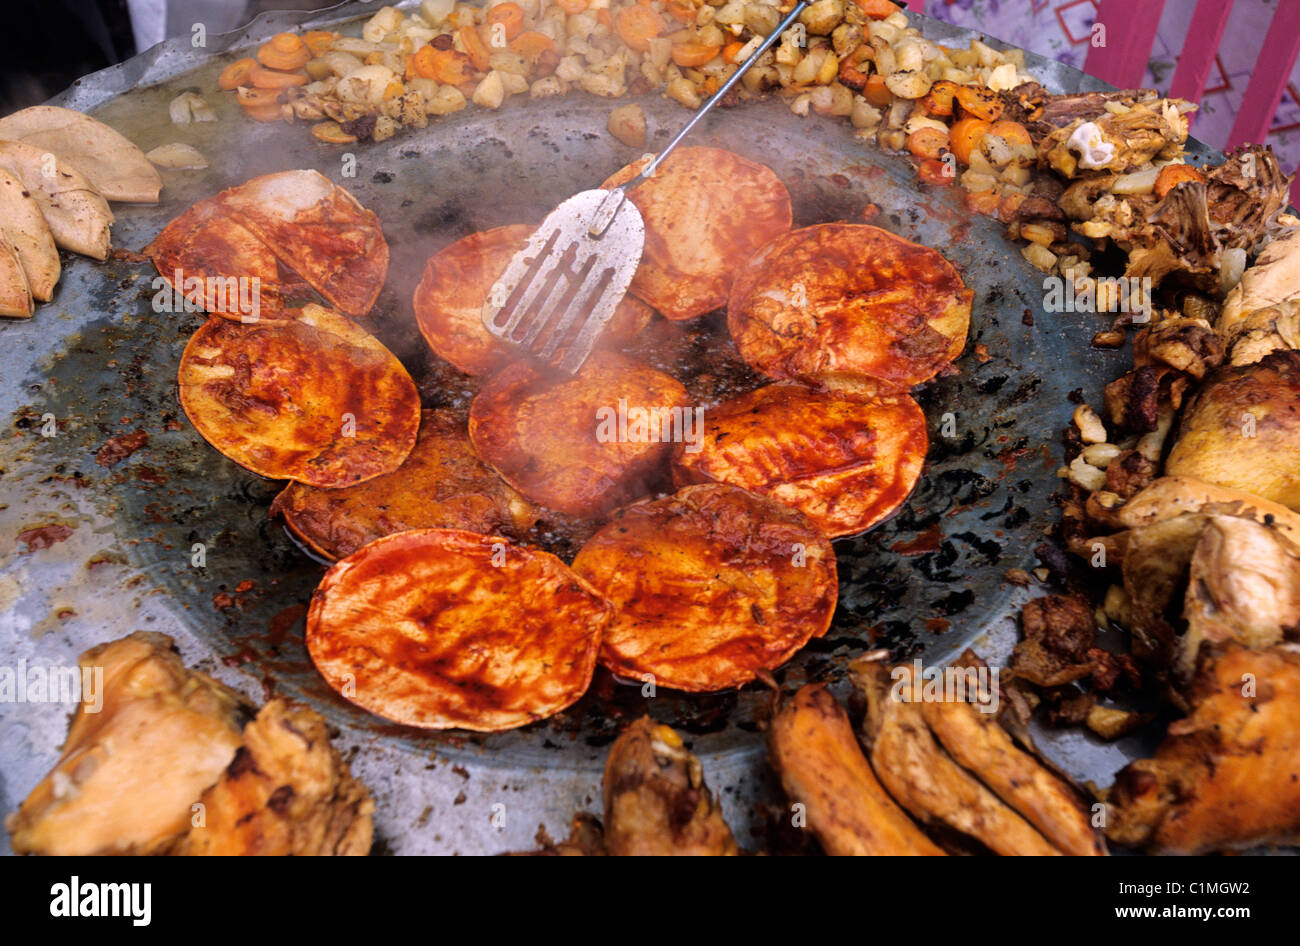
(444, 629)
(845, 454)
(312, 398)
(441, 485)
(711, 586)
(656, 800)
(978, 742)
(812, 746)
(212, 252)
(319, 231)
(705, 211)
(449, 301)
(848, 297)
(557, 439)
(925, 780)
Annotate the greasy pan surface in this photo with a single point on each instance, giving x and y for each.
(111, 549)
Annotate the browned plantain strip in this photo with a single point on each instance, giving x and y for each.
(925, 781)
(813, 748)
(978, 742)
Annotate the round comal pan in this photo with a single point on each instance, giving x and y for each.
(445, 629)
(442, 484)
(848, 297)
(711, 586)
(845, 452)
(313, 398)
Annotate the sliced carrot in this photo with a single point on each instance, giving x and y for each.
(264, 113)
(731, 51)
(286, 42)
(1013, 132)
(332, 133)
(319, 41)
(251, 97)
(980, 102)
(965, 136)
(425, 62)
(690, 55)
(876, 92)
(935, 172)
(1171, 175)
(877, 9)
(474, 48)
(448, 66)
(236, 74)
(571, 6)
(604, 19)
(509, 15)
(275, 56)
(710, 85)
(274, 79)
(938, 101)
(927, 143)
(637, 25)
(680, 11)
(532, 44)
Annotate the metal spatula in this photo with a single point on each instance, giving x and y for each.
(560, 291)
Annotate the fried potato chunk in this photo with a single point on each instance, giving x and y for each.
(130, 771)
(444, 629)
(925, 780)
(656, 801)
(1241, 430)
(705, 211)
(319, 231)
(1226, 777)
(217, 258)
(286, 791)
(812, 746)
(848, 297)
(442, 485)
(844, 454)
(558, 438)
(711, 586)
(313, 398)
(457, 280)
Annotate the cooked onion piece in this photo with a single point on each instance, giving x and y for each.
(558, 438)
(445, 629)
(442, 484)
(222, 267)
(710, 586)
(457, 281)
(844, 453)
(848, 297)
(313, 398)
(704, 210)
(319, 231)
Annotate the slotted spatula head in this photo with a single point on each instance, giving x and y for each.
(560, 291)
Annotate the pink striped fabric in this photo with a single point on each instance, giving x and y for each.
(1130, 34)
(1196, 58)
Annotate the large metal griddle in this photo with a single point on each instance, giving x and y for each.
(927, 583)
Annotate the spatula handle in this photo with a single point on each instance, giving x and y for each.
(772, 38)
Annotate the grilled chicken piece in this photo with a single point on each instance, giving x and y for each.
(656, 801)
(1273, 279)
(1171, 496)
(978, 742)
(287, 791)
(813, 748)
(924, 780)
(130, 772)
(1242, 430)
(1147, 130)
(1228, 775)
